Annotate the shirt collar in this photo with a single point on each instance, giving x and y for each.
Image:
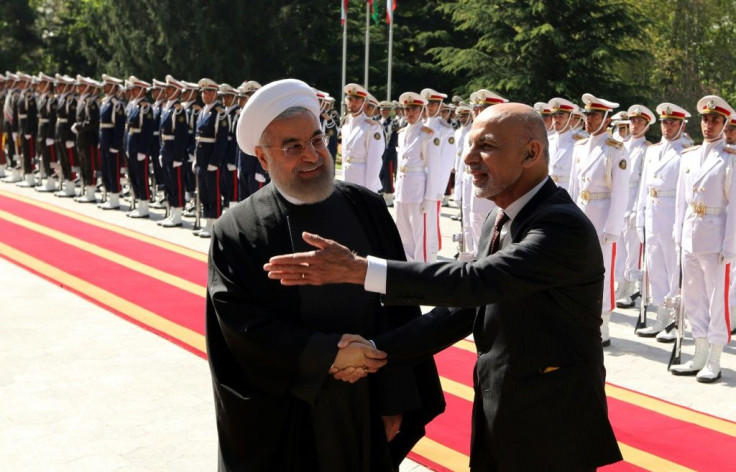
(514, 208)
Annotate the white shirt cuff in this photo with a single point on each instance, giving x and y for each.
(375, 276)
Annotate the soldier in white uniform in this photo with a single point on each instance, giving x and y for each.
(599, 183)
(480, 207)
(417, 178)
(705, 230)
(362, 142)
(463, 190)
(562, 142)
(629, 246)
(444, 135)
(730, 136)
(546, 113)
(655, 216)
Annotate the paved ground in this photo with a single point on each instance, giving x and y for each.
(83, 390)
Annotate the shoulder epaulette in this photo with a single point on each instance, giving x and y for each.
(729, 150)
(613, 143)
(372, 122)
(578, 137)
(647, 143)
(219, 110)
(427, 130)
(581, 140)
(691, 148)
(401, 130)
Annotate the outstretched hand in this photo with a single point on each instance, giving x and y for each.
(331, 263)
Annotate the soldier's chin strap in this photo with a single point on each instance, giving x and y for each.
(603, 122)
(642, 133)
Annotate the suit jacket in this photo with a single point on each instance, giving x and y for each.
(256, 340)
(534, 310)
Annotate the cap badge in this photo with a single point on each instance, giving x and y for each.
(711, 105)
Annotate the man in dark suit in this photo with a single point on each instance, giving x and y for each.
(532, 301)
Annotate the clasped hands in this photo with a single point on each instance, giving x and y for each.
(356, 359)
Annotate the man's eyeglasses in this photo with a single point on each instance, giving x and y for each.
(297, 148)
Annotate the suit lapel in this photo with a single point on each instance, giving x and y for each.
(547, 190)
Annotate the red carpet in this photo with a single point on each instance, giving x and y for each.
(161, 287)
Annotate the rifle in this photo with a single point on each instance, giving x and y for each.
(641, 322)
(197, 202)
(679, 323)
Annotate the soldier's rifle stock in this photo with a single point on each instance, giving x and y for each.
(641, 321)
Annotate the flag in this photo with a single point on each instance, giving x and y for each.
(343, 11)
(374, 10)
(390, 7)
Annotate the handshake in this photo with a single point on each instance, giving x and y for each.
(356, 358)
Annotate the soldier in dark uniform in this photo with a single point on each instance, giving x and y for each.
(10, 128)
(66, 113)
(388, 171)
(229, 170)
(251, 175)
(192, 109)
(174, 140)
(139, 128)
(112, 129)
(3, 159)
(158, 95)
(211, 136)
(328, 122)
(86, 127)
(46, 123)
(27, 128)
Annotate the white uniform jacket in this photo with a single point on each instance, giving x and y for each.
(363, 144)
(420, 166)
(655, 205)
(448, 149)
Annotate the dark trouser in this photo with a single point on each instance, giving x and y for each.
(190, 180)
(48, 155)
(450, 184)
(110, 166)
(159, 176)
(230, 187)
(388, 170)
(210, 193)
(3, 158)
(67, 159)
(174, 184)
(87, 158)
(138, 176)
(28, 148)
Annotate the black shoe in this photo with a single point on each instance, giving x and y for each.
(606, 343)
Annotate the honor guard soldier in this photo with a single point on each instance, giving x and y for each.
(211, 135)
(139, 132)
(463, 186)
(251, 176)
(332, 130)
(86, 129)
(10, 116)
(3, 136)
(629, 245)
(362, 142)
(620, 126)
(158, 95)
(562, 141)
(174, 133)
(112, 131)
(419, 175)
(546, 113)
(705, 230)
(46, 106)
(371, 108)
(388, 167)
(655, 217)
(27, 128)
(446, 136)
(599, 183)
(229, 183)
(479, 208)
(192, 109)
(730, 136)
(66, 149)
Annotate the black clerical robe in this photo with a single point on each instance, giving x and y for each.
(270, 346)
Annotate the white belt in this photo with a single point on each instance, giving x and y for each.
(107, 125)
(355, 160)
(167, 137)
(43, 120)
(656, 193)
(202, 139)
(62, 120)
(408, 169)
(700, 209)
(155, 133)
(22, 115)
(134, 130)
(560, 178)
(586, 196)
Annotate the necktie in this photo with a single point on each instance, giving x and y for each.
(501, 219)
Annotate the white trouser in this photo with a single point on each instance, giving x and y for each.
(627, 254)
(662, 269)
(609, 258)
(704, 294)
(411, 224)
(434, 237)
(470, 243)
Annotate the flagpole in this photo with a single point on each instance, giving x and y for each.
(390, 56)
(367, 41)
(344, 60)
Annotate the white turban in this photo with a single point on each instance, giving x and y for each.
(268, 103)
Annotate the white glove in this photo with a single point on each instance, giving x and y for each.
(177, 164)
(191, 157)
(160, 160)
(231, 167)
(27, 136)
(640, 233)
(141, 157)
(194, 166)
(260, 178)
(211, 168)
(113, 150)
(15, 136)
(726, 258)
(465, 257)
(74, 128)
(608, 238)
(49, 142)
(69, 144)
(425, 206)
(54, 165)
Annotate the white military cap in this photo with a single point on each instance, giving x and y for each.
(411, 98)
(642, 112)
(385, 104)
(670, 111)
(22, 76)
(320, 94)
(136, 82)
(486, 97)
(190, 85)
(268, 103)
(158, 83)
(251, 86)
(226, 89)
(593, 103)
(208, 84)
(561, 104)
(543, 108)
(355, 90)
(46, 78)
(172, 82)
(462, 109)
(111, 80)
(713, 104)
(10, 76)
(432, 95)
(371, 100)
(620, 115)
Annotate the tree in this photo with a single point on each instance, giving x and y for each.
(18, 34)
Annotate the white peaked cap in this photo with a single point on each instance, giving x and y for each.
(268, 103)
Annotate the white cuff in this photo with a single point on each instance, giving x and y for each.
(375, 275)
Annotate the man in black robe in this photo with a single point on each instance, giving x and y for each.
(271, 347)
